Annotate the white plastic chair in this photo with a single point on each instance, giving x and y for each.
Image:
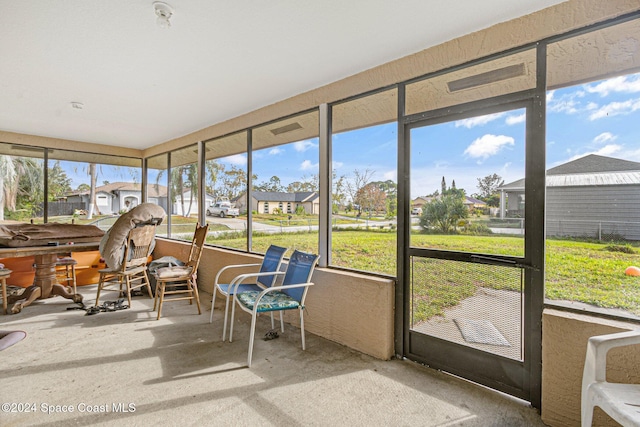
(620, 401)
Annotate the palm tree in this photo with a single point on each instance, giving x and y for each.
(93, 173)
(20, 178)
(179, 185)
(8, 182)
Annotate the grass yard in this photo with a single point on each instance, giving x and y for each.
(587, 272)
(575, 271)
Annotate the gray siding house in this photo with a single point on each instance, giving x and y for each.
(593, 196)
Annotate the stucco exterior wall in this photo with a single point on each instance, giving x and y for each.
(564, 346)
(352, 309)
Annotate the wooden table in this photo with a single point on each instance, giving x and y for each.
(45, 284)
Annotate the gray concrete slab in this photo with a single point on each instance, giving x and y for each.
(126, 368)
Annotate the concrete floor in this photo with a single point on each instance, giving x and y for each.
(127, 368)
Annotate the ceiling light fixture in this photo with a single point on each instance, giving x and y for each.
(164, 12)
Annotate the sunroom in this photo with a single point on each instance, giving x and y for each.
(484, 294)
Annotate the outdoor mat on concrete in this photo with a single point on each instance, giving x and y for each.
(481, 332)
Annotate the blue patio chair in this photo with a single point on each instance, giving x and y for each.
(264, 278)
(289, 296)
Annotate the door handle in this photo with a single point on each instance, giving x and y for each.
(501, 261)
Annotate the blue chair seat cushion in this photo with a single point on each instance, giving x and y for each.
(243, 287)
(273, 301)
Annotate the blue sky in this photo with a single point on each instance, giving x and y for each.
(599, 117)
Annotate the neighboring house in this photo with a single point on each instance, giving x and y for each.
(473, 203)
(268, 201)
(116, 197)
(190, 205)
(589, 197)
(419, 202)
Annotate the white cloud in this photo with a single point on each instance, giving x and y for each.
(275, 151)
(236, 159)
(607, 151)
(568, 103)
(633, 155)
(302, 146)
(336, 165)
(616, 108)
(392, 175)
(307, 165)
(626, 84)
(488, 145)
(568, 106)
(478, 121)
(550, 95)
(513, 120)
(604, 137)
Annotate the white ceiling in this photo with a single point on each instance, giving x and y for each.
(142, 85)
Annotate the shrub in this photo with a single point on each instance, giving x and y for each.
(477, 229)
(619, 248)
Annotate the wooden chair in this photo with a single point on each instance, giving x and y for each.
(181, 281)
(66, 271)
(4, 275)
(132, 274)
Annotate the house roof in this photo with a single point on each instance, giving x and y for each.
(474, 201)
(277, 196)
(590, 170)
(594, 163)
(153, 190)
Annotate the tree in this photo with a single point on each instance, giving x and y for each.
(338, 195)
(21, 180)
(59, 182)
(93, 174)
(452, 191)
(371, 198)
(355, 185)
(273, 185)
(488, 187)
(234, 182)
(83, 187)
(443, 213)
(213, 170)
(390, 189)
(182, 179)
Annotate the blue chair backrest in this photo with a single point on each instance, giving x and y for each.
(299, 270)
(271, 262)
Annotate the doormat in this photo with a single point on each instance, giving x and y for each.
(481, 332)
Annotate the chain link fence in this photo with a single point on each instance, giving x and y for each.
(604, 231)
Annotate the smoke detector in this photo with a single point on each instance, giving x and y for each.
(164, 12)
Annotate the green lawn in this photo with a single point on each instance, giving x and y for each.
(575, 271)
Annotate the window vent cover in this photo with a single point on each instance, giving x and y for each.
(488, 77)
(286, 128)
